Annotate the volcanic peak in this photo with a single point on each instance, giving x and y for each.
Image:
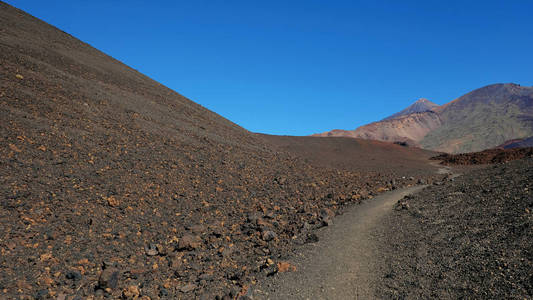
(421, 105)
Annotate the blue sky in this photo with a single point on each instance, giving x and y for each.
(301, 67)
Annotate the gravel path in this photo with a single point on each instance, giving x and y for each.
(343, 263)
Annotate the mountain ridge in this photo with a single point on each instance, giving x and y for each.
(420, 105)
(481, 119)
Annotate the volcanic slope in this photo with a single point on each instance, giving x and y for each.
(354, 154)
(114, 185)
(421, 105)
(481, 119)
(470, 238)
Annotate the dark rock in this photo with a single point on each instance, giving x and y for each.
(163, 292)
(73, 275)
(311, 238)
(206, 277)
(269, 235)
(108, 278)
(252, 218)
(41, 294)
(327, 222)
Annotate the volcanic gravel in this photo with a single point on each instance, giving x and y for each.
(470, 238)
(113, 185)
(489, 156)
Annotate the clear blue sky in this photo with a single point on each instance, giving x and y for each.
(301, 67)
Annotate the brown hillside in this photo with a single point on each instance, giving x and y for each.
(113, 185)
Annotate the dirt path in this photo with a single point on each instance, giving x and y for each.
(343, 264)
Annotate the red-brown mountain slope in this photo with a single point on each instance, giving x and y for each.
(481, 119)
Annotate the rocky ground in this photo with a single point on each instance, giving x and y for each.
(114, 186)
(470, 238)
(489, 156)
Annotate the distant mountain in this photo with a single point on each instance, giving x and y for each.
(481, 119)
(421, 105)
(517, 143)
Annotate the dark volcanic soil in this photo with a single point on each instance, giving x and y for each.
(354, 154)
(489, 156)
(471, 238)
(112, 185)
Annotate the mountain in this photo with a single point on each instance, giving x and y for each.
(112, 182)
(421, 105)
(517, 143)
(481, 119)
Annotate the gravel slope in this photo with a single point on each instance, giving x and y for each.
(469, 238)
(112, 185)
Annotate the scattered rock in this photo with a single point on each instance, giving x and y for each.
(311, 238)
(284, 266)
(163, 292)
(112, 201)
(73, 275)
(108, 278)
(131, 292)
(269, 235)
(42, 294)
(151, 250)
(188, 288)
(188, 242)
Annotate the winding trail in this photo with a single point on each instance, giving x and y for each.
(344, 263)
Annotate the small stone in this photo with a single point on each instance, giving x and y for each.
(108, 278)
(151, 250)
(19, 76)
(73, 275)
(42, 294)
(421, 181)
(188, 288)
(311, 238)
(131, 292)
(198, 229)
(188, 242)
(113, 201)
(163, 292)
(252, 218)
(327, 222)
(269, 235)
(206, 277)
(284, 266)
(176, 263)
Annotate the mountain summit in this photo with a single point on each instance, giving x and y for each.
(481, 119)
(421, 105)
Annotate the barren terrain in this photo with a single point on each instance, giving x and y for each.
(116, 186)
